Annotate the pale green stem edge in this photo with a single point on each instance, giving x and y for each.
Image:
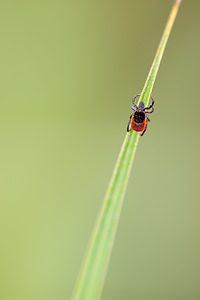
(93, 271)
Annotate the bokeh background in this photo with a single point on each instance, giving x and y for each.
(69, 71)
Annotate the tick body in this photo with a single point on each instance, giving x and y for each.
(138, 120)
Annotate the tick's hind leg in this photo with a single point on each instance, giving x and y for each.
(148, 119)
(143, 131)
(128, 126)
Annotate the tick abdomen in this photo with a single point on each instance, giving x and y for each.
(138, 126)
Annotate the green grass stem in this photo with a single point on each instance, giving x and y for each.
(93, 271)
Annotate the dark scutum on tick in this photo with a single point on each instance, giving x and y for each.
(139, 116)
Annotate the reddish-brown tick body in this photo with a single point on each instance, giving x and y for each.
(139, 119)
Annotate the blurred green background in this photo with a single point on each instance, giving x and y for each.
(69, 71)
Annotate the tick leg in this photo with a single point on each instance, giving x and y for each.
(128, 129)
(128, 126)
(134, 104)
(151, 106)
(149, 112)
(148, 119)
(144, 131)
(132, 107)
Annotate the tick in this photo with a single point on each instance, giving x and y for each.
(139, 118)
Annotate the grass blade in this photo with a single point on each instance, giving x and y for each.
(92, 274)
(156, 63)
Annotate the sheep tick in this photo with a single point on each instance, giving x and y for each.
(139, 119)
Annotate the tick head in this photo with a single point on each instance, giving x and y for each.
(141, 106)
